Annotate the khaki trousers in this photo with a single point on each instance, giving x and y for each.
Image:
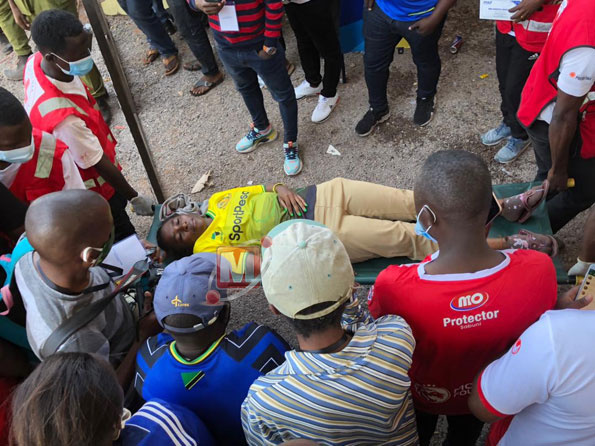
(371, 220)
(13, 32)
(31, 9)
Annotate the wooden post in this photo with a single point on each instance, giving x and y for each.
(109, 51)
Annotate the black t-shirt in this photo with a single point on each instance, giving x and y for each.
(12, 215)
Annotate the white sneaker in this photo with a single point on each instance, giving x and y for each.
(305, 89)
(324, 108)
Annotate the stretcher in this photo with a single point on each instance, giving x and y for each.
(366, 272)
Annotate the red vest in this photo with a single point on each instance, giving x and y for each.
(53, 106)
(573, 28)
(43, 173)
(532, 33)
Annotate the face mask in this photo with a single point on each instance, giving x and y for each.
(419, 229)
(103, 251)
(20, 155)
(78, 67)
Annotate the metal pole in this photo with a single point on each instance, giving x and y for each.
(108, 48)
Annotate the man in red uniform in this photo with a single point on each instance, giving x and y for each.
(467, 303)
(59, 103)
(558, 110)
(32, 162)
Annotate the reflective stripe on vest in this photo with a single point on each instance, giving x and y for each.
(57, 103)
(537, 27)
(45, 159)
(90, 184)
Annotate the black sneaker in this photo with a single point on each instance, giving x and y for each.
(370, 120)
(424, 111)
(170, 27)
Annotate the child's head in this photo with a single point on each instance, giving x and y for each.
(16, 145)
(178, 233)
(187, 302)
(63, 41)
(69, 399)
(70, 228)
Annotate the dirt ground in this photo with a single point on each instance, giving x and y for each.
(189, 136)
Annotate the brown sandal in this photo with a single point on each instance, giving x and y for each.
(520, 207)
(171, 64)
(150, 56)
(193, 65)
(203, 82)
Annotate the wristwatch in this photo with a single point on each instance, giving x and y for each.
(269, 50)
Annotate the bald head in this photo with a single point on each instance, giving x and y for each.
(456, 184)
(62, 224)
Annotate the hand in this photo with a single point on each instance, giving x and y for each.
(558, 180)
(148, 326)
(369, 4)
(210, 8)
(291, 201)
(20, 18)
(158, 254)
(425, 26)
(142, 205)
(568, 300)
(265, 56)
(525, 9)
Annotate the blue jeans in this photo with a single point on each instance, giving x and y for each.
(192, 29)
(142, 14)
(159, 10)
(381, 34)
(242, 63)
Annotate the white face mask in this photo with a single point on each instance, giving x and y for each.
(20, 155)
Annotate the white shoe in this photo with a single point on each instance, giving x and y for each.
(305, 89)
(324, 107)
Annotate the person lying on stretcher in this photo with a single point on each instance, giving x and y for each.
(370, 219)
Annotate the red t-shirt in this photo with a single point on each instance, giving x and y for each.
(462, 322)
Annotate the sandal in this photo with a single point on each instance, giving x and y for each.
(518, 208)
(202, 82)
(193, 65)
(150, 56)
(171, 64)
(530, 240)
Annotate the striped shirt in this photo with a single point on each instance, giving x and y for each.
(256, 18)
(357, 396)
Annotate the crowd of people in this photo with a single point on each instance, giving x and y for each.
(474, 328)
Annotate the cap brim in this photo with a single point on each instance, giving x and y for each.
(326, 311)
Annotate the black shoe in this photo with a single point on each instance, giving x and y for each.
(370, 120)
(170, 27)
(105, 109)
(7, 49)
(424, 111)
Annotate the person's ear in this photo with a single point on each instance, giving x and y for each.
(274, 310)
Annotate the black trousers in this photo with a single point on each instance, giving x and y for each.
(122, 225)
(463, 430)
(315, 28)
(513, 65)
(564, 206)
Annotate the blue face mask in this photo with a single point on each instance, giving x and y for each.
(419, 229)
(78, 67)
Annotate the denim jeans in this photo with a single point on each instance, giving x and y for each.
(142, 14)
(193, 30)
(381, 35)
(242, 63)
(160, 11)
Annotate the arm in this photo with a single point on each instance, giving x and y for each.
(561, 132)
(12, 223)
(114, 177)
(427, 25)
(289, 199)
(19, 17)
(273, 14)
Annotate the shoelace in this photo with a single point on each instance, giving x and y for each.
(291, 152)
(253, 133)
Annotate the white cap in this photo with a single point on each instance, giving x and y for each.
(303, 264)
